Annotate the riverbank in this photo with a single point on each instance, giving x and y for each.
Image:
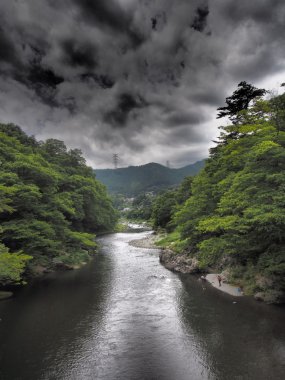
(178, 262)
(235, 291)
(182, 263)
(146, 242)
(170, 260)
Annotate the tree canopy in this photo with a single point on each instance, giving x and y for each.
(234, 216)
(240, 101)
(51, 205)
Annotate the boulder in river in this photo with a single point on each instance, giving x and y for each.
(4, 295)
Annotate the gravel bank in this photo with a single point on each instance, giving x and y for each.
(146, 242)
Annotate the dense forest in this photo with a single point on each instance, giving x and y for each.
(234, 217)
(51, 206)
(152, 177)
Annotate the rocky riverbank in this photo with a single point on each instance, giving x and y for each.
(171, 260)
(146, 242)
(182, 263)
(178, 262)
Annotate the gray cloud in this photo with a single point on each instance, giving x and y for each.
(200, 20)
(111, 16)
(126, 104)
(7, 51)
(138, 77)
(75, 54)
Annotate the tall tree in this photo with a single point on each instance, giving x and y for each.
(240, 101)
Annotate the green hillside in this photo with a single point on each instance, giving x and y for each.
(150, 177)
(51, 206)
(233, 220)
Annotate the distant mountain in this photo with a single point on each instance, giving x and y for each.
(150, 177)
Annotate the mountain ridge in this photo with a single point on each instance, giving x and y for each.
(152, 176)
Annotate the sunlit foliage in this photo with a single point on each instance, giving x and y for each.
(51, 204)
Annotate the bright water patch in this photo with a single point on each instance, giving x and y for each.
(124, 316)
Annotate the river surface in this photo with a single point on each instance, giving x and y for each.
(124, 316)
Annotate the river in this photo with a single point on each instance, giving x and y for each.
(124, 316)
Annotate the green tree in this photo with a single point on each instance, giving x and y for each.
(239, 101)
(163, 209)
(234, 216)
(51, 205)
(12, 266)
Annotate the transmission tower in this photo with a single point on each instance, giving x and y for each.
(115, 160)
(168, 164)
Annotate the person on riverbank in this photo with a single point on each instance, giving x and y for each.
(219, 279)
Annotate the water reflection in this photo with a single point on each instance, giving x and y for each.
(142, 336)
(44, 327)
(242, 340)
(124, 316)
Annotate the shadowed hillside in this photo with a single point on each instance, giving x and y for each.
(150, 177)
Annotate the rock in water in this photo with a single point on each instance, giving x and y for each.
(5, 295)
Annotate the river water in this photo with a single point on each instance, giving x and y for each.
(124, 316)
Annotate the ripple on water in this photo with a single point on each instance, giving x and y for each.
(124, 316)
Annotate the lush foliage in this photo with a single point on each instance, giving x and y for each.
(141, 207)
(158, 209)
(50, 204)
(167, 203)
(12, 266)
(235, 216)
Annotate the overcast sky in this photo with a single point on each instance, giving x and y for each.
(141, 78)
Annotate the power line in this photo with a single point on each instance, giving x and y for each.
(115, 160)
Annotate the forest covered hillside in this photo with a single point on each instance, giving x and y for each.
(134, 180)
(234, 217)
(51, 206)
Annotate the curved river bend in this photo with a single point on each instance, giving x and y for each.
(124, 316)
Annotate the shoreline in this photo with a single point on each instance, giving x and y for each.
(147, 242)
(180, 263)
(233, 290)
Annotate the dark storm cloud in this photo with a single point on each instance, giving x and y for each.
(39, 76)
(158, 21)
(126, 103)
(77, 54)
(44, 81)
(184, 118)
(106, 13)
(207, 98)
(133, 76)
(41, 79)
(109, 14)
(200, 20)
(104, 81)
(7, 50)
(153, 23)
